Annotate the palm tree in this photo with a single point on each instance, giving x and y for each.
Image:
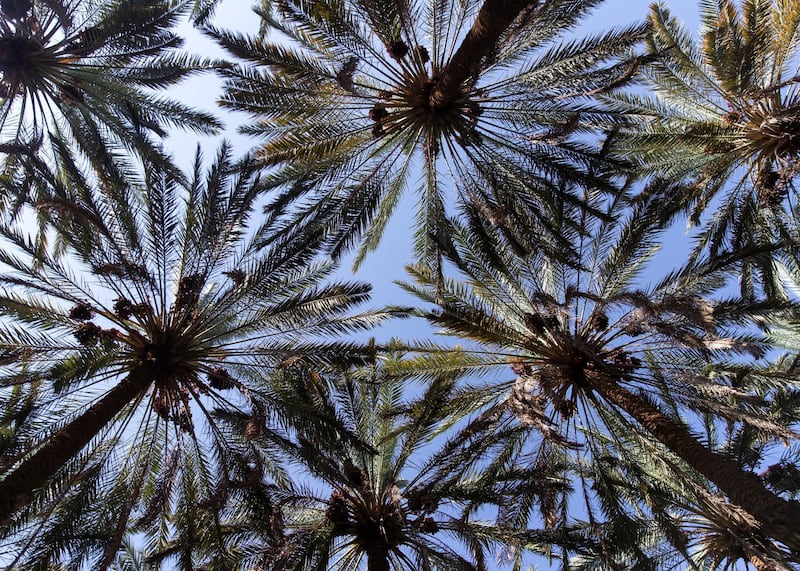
(371, 493)
(541, 486)
(694, 525)
(658, 519)
(489, 98)
(720, 121)
(86, 73)
(591, 351)
(150, 305)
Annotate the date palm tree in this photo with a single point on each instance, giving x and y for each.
(87, 73)
(659, 519)
(489, 98)
(694, 525)
(150, 305)
(589, 350)
(720, 120)
(371, 494)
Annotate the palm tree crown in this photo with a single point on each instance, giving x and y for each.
(585, 344)
(154, 306)
(373, 492)
(722, 118)
(86, 71)
(364, 92)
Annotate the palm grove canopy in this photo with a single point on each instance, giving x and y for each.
(186, 383)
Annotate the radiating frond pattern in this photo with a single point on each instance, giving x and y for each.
(345, 102)
(589, 350)
(150, 306)
(373, 494)
(184, 381)
(88, 73)
(721, 118)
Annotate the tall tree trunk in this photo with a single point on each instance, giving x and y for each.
(377, 556)
(779, 518)
(494, 18)
(17, 486)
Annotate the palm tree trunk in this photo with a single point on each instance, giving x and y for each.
(494, 18)
(779, 518)
(377, 556)
(17, 486)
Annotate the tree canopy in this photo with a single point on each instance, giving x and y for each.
(190, 380)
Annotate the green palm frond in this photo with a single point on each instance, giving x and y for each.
(151, 301)
(343, 113)
(84, 73)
